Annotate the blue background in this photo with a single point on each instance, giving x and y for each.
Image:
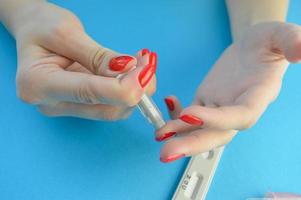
(67, 158)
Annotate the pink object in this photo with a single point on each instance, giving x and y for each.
(283, 196)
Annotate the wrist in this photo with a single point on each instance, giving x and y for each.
(245, 13)
(240, 26)
(14, 14)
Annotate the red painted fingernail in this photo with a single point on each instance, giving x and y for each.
(172, 158)
(119, 63)
(153, 59)
(190, 119)
(144, 51)
(146, 75)
(169, 103)
(165, 136)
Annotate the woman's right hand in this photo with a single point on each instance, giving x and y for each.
(66, 73)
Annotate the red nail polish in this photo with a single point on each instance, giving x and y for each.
(165, 136)
(146, 75)
(144, 51)
(172, 158)
(169, 103)
(153, 59)
(119, 63)
(190, 119)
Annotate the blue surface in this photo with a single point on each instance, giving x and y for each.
(65, 158)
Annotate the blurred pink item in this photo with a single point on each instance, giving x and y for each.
(283, 196)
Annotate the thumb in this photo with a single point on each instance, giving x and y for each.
(81, 48)
(287, 38)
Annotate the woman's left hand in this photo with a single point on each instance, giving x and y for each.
(233, 96)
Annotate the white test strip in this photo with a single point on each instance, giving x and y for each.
(198, 175)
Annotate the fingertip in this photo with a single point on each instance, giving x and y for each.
(171, 151)
(121, 63)
(166, 132)
(169, 103)
(191, 119)
(288, 36)
(194, 115)
(173, 105)
(117, 64)
(142, 57)
(294, 53)
(171, 158)
(144, 51)
(153, 59)
(165, 136)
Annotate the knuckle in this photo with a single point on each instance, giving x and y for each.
(26, 89)
(126, 114)
(59, 30)
(96, 58)
(66, 25)
(191, 109)
(85, 93)
(112, 114)
(47, 111)
(25, 96)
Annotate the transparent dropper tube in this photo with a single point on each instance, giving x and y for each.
(149, 110)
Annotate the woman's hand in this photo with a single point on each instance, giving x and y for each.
(66, 73)
(233, 96)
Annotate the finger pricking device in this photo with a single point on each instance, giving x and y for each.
(198, 175)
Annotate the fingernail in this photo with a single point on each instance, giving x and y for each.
(191, 119)
(119, 63)
(165, 136)
(172, 158)
(146, 75)
(153, 59)
(144, 51)
(169, 103)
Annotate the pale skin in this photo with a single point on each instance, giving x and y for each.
(65, 72)
(241, 84)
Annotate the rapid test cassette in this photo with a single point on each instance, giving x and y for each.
(198, 175)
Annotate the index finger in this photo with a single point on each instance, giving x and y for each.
(197, 141)
(55, 84)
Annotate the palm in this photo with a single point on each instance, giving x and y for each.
(241, 74)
